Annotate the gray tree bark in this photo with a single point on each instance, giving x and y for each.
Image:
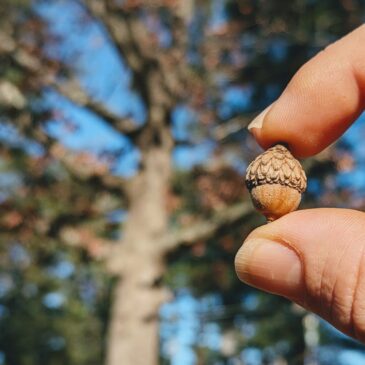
(134, 326)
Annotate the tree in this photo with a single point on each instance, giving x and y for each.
(178, 55)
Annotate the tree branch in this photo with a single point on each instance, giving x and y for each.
(207, 228)
(133, 42)
(119, 32)
(86, 170)
(97, 247)
(74, 92)
(119, 28)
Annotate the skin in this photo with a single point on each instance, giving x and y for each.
(315, 258)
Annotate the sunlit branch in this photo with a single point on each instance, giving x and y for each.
(87, 174)
(97, 247)
(205, 229)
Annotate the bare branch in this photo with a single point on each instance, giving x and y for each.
(97, 247)
(85, 168)
(119, 28)
(74, 92)
(206, 229)
(159, 72)
(119, 31)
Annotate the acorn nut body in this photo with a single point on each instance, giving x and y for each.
(276, 181)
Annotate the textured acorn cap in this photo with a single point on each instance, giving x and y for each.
(276, 166)
(276, 181)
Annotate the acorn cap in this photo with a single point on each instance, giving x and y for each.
(276, 166)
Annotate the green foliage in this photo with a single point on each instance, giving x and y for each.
(51, 306)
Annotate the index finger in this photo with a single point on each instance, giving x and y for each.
(321, 101)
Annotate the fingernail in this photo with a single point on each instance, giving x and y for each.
(269, 266)
(259, 120)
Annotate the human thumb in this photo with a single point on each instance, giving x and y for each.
(315, 258)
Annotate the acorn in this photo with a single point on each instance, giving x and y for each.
(276, 181)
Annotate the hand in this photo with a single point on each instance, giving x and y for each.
(314, 257)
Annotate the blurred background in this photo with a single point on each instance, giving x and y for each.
(122, 202)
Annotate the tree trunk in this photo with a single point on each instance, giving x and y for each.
(134, 325)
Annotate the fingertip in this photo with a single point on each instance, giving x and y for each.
(270, 266)
(305, 136)
(273, 129)
(321, 101)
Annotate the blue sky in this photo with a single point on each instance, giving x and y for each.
(106, 78)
